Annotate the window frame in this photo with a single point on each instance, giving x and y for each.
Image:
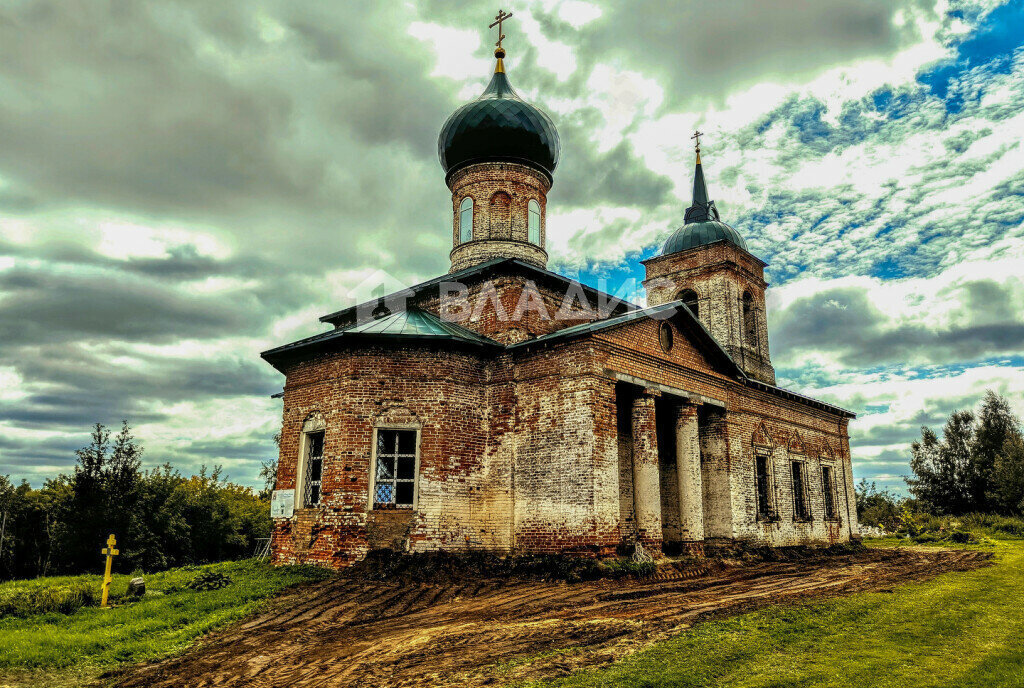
(313, 424)
(462, 212)
(531, 204)
(799, 514)
(373, 466)
(829, 491)
(769, 513)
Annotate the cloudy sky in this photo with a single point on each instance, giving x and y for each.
(183, 185)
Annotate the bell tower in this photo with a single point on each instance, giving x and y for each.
(705, 264)
(499, 155)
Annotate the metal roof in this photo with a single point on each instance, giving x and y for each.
(411, 324)
(498, 125)
(474, 270)
(702, 225)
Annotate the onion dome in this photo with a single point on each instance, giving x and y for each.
(498, 126)
(702, 225)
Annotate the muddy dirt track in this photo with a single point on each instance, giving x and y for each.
(347, 632)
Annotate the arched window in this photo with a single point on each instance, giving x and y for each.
(749, 321)
(466, 220)
(533, 216)
(690, 300)
(311, 460)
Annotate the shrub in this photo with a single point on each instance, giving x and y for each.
(1004, 525)
(65, 599)
(211, 580)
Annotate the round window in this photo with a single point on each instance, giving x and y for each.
(665, 337)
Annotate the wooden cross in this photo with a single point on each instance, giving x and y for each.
(500, 17)
(697, 135)
(107, 578)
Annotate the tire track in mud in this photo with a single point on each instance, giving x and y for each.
(347, 632)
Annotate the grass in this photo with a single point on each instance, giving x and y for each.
(959, 630)
(57, 649)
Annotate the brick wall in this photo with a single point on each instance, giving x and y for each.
(720, 274)
(534, 450)
(501, 192)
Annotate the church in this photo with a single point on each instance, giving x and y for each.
(503, 407)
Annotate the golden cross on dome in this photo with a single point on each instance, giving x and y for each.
(697, 135)
(501, 16)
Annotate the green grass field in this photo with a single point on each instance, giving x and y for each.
(959, 630)
(54, 649)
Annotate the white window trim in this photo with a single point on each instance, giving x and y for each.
(472, 216)
(311, 425)
(540, 223)
(373, 462)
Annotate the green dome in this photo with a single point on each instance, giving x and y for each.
(701, 234)
(497, 126)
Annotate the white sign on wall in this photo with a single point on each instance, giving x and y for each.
(282, 503)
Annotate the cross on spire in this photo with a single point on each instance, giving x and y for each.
(501, 16)
(697, 135)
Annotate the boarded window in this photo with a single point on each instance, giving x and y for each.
(828, 487)
(314, 468)
(764, 502)
(799, 492)
(395, 480)
(466, 220)
(533, 219)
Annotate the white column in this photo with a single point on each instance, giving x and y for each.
(646, 480)
(688, 469)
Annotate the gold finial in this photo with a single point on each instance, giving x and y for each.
(696, 136)
(499, 52)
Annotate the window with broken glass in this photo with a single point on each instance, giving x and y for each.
(395, 479)
(828, 486)
(314, 468)
(800, 511)
(763, 486)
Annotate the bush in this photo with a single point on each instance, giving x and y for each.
(991, 523)
(209, 581)
(66, 599)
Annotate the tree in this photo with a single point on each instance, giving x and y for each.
(161, 518)
(268, 471)
(959, 474)
(942, 469)
(996, 427)
(877, 507)
(1007, 493)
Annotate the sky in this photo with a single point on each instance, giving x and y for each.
(184, 185)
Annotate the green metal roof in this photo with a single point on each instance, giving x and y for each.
(409, 324)
(415, 323)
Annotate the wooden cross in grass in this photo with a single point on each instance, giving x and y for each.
(107, 578)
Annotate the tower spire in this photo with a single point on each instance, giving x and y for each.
(702, 208)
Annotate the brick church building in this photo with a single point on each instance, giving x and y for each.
(504, 407)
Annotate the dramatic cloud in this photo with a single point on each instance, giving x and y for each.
(183, 185)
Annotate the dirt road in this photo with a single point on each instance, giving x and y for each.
(358, 633)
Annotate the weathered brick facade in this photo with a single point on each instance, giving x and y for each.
(503, 407)
(577, 444)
